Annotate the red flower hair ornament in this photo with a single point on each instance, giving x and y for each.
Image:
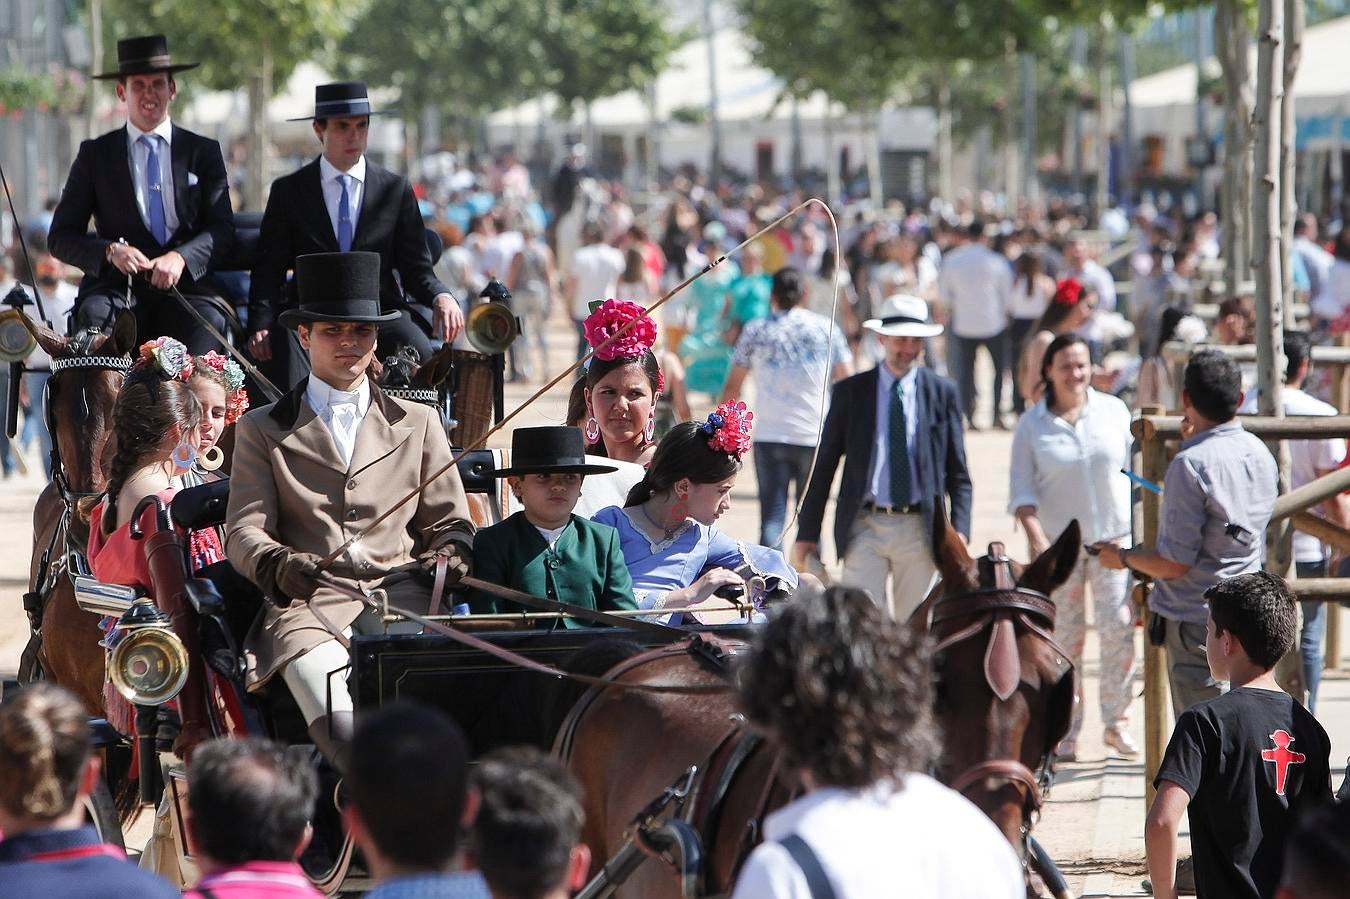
(728, 429)
(1068, 292)
(608, 319)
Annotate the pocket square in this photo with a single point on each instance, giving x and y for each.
(192, 179)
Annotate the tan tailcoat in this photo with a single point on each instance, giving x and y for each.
(290, 491)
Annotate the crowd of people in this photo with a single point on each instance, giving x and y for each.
(848, 344)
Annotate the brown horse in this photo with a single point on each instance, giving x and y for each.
(87, 372)
(1004, 686)
(1005, 692)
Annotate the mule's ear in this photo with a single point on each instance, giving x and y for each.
(1052, 568)
(122, 342)
(436, 369)
(950, 553)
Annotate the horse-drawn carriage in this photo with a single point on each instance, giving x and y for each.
(691, 791)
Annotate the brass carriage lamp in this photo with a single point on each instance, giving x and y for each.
(148, 663)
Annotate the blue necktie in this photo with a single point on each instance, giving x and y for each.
(344, 234)
(154, 200)
(899, 439)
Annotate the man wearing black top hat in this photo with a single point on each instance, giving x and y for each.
(160, 202)
(342, 201)
(317, 468)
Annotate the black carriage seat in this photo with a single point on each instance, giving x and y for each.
(202, 506)
(478, 471)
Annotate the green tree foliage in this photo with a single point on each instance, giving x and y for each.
(595, 48)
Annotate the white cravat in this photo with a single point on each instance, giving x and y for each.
(342, 411)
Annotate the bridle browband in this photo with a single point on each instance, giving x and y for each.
(107, 363)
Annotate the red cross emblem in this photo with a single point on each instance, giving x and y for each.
(1283, 757)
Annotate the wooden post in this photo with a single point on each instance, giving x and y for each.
(1157, 701)
(1341, 380)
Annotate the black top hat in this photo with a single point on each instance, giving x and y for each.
(550, 450)
(337, 287)
(339, 99)
(143, 55)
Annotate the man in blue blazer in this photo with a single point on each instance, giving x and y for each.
(898, 428)
(160, 201)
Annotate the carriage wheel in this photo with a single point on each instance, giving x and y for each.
(101, 813)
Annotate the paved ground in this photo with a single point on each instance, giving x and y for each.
(1093, 823)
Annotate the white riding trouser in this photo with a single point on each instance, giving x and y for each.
(318, 679)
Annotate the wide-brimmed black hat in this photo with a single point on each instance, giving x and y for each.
(337, 287)
(339, 99)
(143, 55)
(550, 450)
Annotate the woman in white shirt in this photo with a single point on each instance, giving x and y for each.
(1067, 456)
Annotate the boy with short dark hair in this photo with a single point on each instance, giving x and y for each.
(1243, 763)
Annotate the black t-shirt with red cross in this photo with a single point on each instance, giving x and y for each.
(1249, 760)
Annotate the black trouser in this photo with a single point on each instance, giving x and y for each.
(1021, 329)
(290, 364)
(158, 314)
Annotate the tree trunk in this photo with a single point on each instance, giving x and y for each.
(259, 94)
(1009, 117)
(1030, 129)
(831, 160)
(1125, 185)
(1077, 63)
(95, 54)
(946, 192)
(1231, 37)
(1104, 105)
(872, 148)
(795, 160)
(1294, 21)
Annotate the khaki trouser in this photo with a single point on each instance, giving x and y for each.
(894, 547)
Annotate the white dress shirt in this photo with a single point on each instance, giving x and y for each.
(342, 411)
(1306, 458)
(140, 159)
(1069, 471)
(976, 284)
(879, 484)
(332, 190)
(923, 840)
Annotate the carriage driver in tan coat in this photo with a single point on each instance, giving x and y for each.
(316, 468)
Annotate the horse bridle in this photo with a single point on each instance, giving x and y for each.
(1000, 603)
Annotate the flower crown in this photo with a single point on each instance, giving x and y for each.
(608, 318)
(236, 400)
(1068, 292)
(728, 429)
(166, 357)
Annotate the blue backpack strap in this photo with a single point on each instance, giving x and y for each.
(805, 857)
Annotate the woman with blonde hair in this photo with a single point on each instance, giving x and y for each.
(47, 771)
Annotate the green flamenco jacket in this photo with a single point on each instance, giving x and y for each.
(584, 567)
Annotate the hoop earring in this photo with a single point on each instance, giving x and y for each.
(212, 459)
(183, 455)
(592, 431)
(649, 433)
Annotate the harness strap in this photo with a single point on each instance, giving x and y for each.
(438, 585)
(328, 624)
(983, 602)
(1004, 770)
(591, 616)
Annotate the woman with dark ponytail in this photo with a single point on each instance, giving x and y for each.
(675, 555)
(156, 431)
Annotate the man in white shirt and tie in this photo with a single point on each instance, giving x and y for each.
(160, 202)
(342, 201)
(316, 469)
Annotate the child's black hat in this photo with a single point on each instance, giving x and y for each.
(550, 450)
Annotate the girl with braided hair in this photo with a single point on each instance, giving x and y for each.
(47, 770)
(156, 429)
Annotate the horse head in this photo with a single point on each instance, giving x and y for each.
(1005, 688)
(87, 373)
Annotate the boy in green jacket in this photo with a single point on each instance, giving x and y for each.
(545, 550)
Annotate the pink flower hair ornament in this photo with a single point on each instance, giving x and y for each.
(236, 400)
(728, 429)
(611, 317)
(166, 357)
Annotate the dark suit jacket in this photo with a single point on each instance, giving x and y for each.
(100, 185)
(585, 567)
(296, 222)
(850, 432)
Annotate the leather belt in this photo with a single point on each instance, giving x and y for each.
(875, 509)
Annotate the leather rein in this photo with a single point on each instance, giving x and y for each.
(1003, 608)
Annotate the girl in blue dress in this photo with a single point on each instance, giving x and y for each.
(675, 554)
